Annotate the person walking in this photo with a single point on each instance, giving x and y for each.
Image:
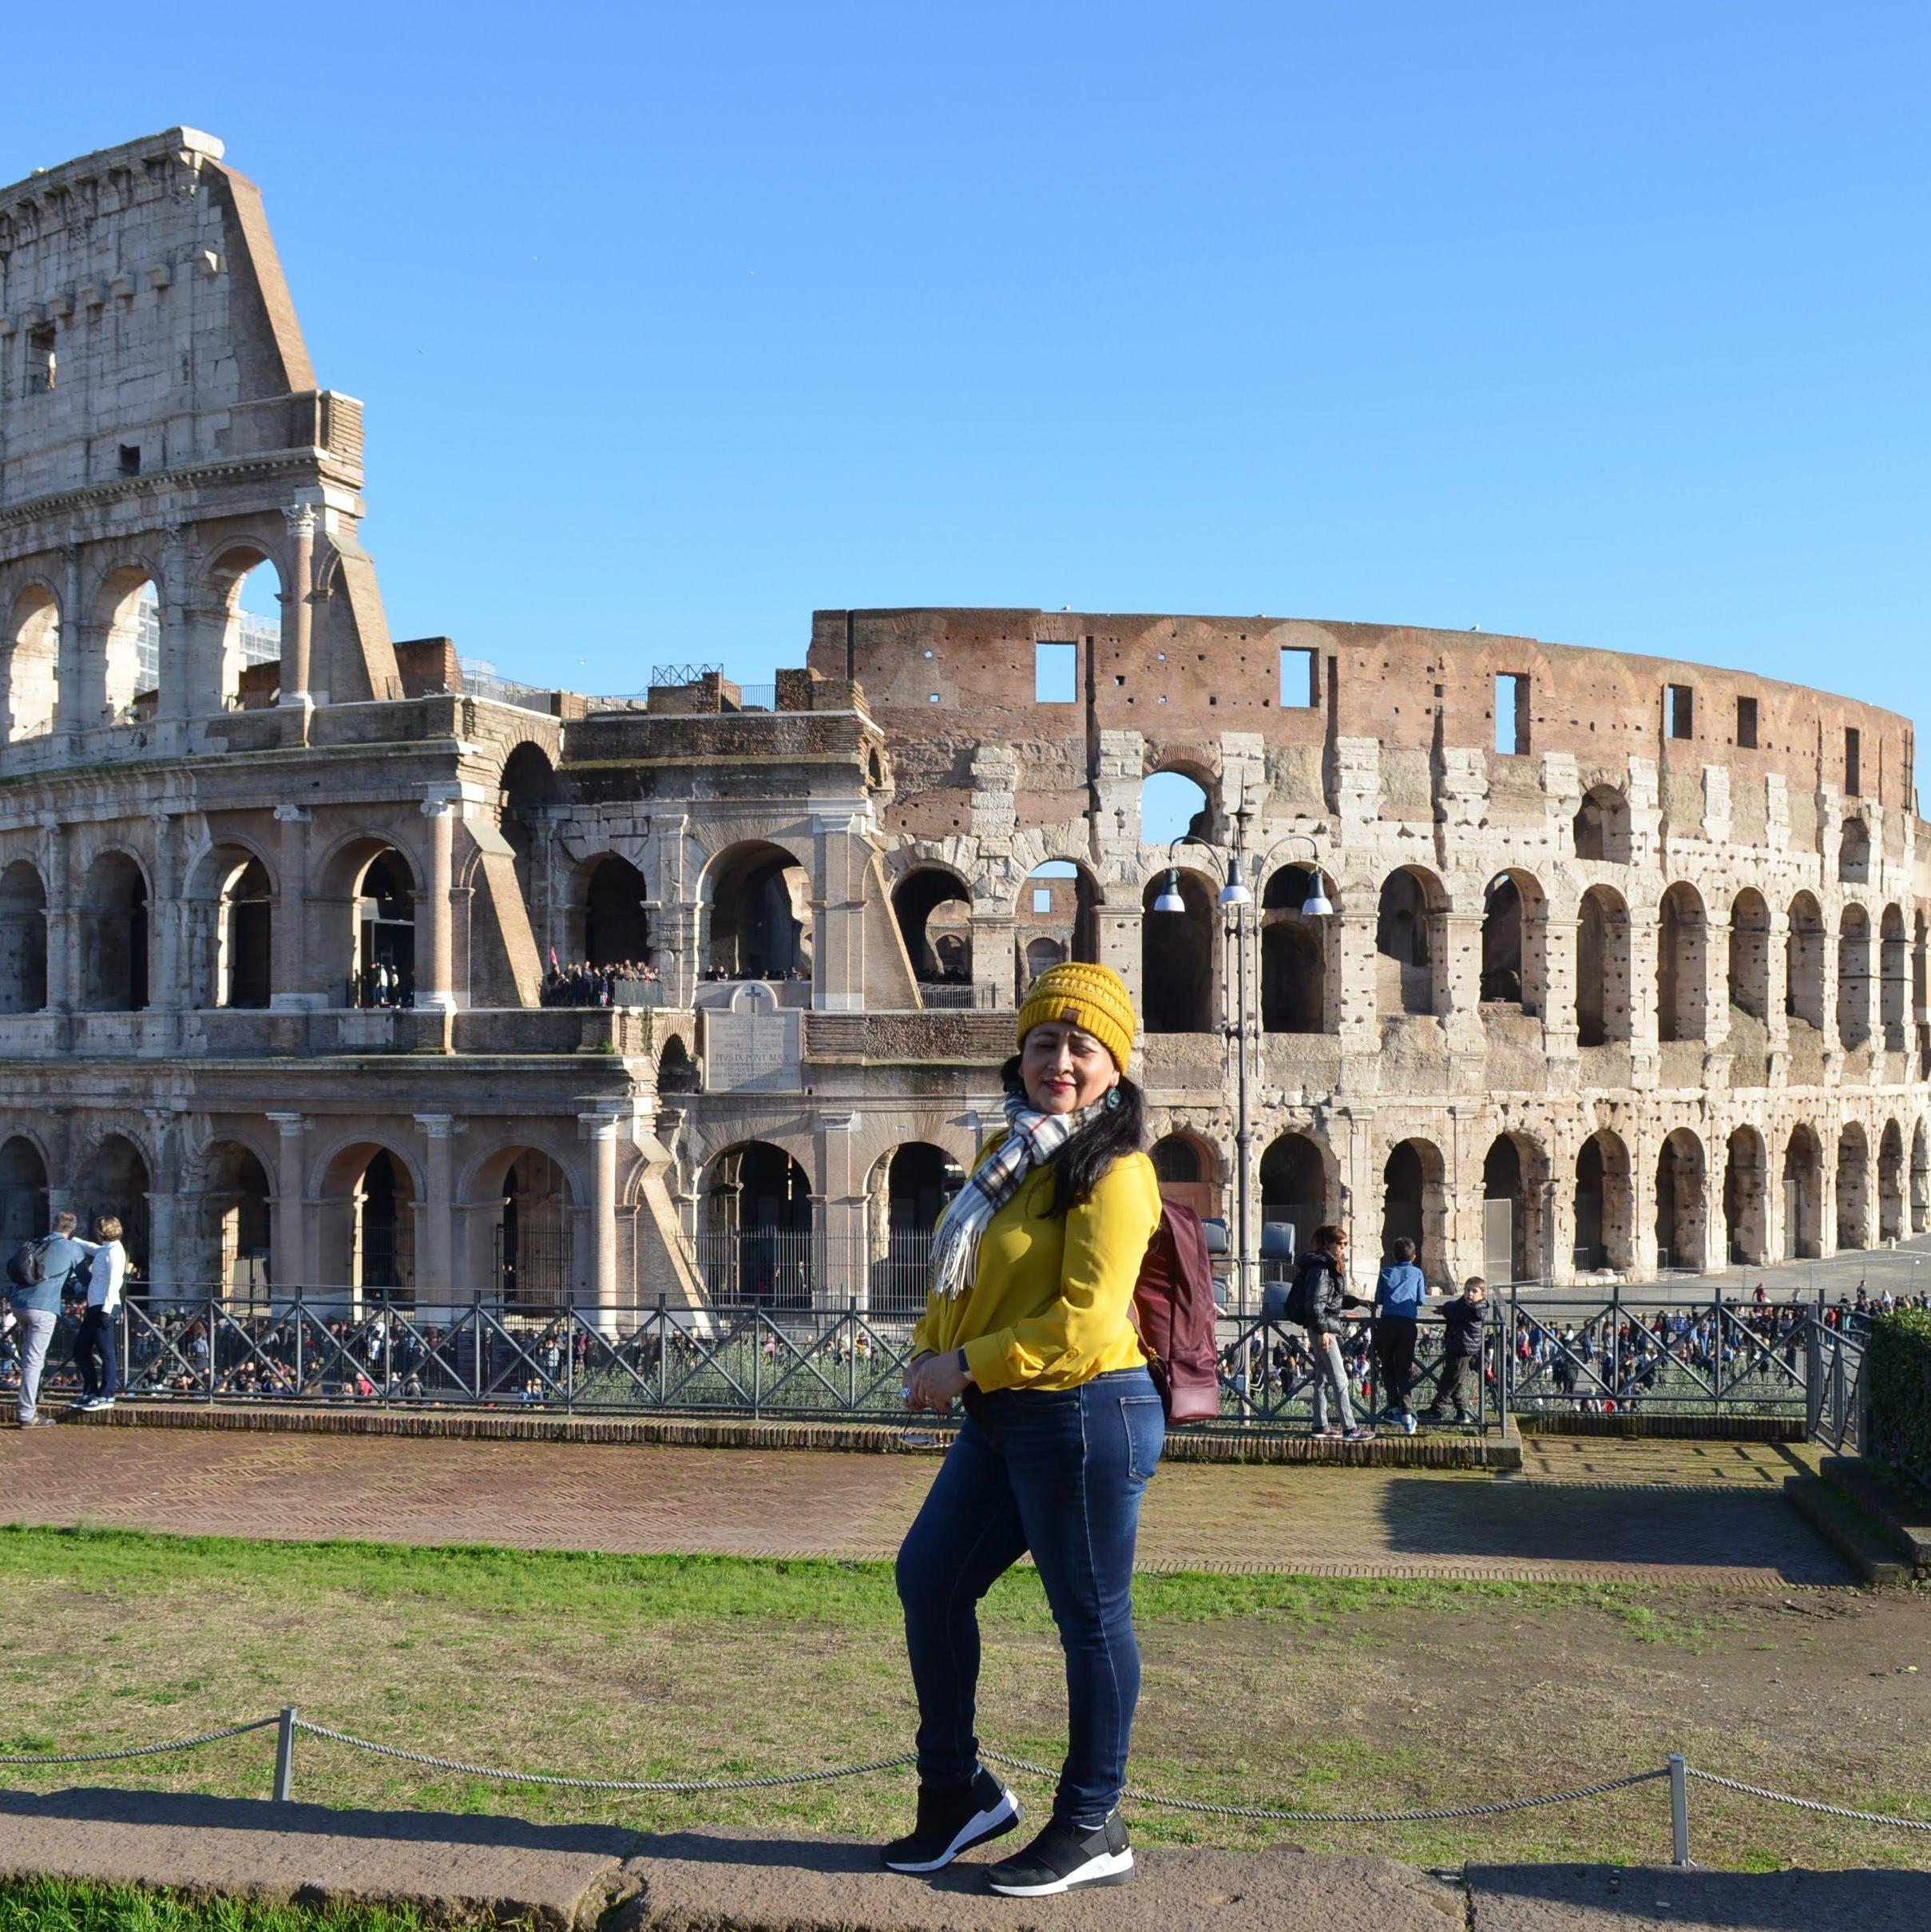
(94, 1352)
(1400, 1294)
(1462, 1321)
(1028, 1319)
(52, 1263)
(1319, 1300)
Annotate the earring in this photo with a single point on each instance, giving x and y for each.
(1113, 1100)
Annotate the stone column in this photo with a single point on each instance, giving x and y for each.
(1645, 1048)
(840, 858)
(435, 1283)
(993, 964)
(167, 962)
(602, 1130)
(1716, 985)
(63, 952)
(1457, 974)
(298, 614)
(1560, 1039)
(844, 1278)
(164, 1270)
(289, 1267)
(183, 680)
(1776, 1020)
(78, 645)
(435, 946)
(293, 969)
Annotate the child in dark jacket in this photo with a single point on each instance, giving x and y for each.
(1462, 1321)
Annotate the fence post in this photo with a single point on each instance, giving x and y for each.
(1716, 1356)
(284, 1757)
(664, 1351)
(207, 1326)
(757, 1366)
(476, 1343)
(1680, 1810)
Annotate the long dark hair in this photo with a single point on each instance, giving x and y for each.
(1112, 1133)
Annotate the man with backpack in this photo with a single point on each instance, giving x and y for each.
(1320, 1301)
(37, 1276)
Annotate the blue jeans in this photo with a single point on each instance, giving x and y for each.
(1059, 1472)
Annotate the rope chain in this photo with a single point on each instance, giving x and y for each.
(1810, 1804)
(145, 1750)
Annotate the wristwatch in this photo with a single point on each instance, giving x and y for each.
(964, 1369)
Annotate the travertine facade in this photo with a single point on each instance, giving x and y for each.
(1639, 978)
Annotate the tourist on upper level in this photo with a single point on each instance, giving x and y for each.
(1034, 1264)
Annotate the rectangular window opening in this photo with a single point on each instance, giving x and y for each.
(1682, 712)
(42, 361)
(1056, 673)
(130, 459)
(1746, 724)
(1511, 712)
(1300, 678)
(1042, 898)
(1854, 760)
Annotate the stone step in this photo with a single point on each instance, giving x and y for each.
(1901, 1509)
(1845, 1527)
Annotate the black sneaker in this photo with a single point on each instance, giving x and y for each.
(1063, 1856)
(951, 1821)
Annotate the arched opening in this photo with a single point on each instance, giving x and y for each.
(131, 620)
(1894, 982)
(1853, 853)
(23, 939)
(1602, 968)
(385, 932)
(1683, 950)
(760, 905)
(527, 796)
(1414, 1204)
(934, 909)
(113, 1179)
(248, 592)
(1057, 919)
(244, 935)
(1745, 1203)
(30, 673)
(1605, 1220)
(676, 1071)
(114, 936)
(1602, 826)
(1404, 940)
(917, 1180)
(1803, 1196)
(383, 1257)
(1513, 1177)
(1921, 1180)
(1852, 1187)
(1293, 1188)
(237, 1225)
(1501, 944)
(531, 1239)
(23, 1193)
(1177, 957)
(616, 921)
(1681, 1211)
(1749, 954)
(1803, 963)
(1185, 1168)
(1921, 991)
(1293, 956)
(1854, 978)
(1172, 805)
(1890, 1184)
(756, 1240)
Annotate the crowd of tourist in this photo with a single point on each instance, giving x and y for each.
(617, 984)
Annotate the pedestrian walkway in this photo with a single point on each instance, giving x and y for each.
(1592, 1509)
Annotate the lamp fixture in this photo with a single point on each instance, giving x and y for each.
(1170, 899)
(1318, 905)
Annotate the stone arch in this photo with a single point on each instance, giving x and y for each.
(1920, 990)
(365, 1222)
(1682, 959)
(234, 1233)
(1853, 853)
(1294, 953)
(114, 1178)
(1601, 828)
(1921, 1179)
(1514, 941)
(30, 666)
(1891, 1183)
(1803, 1195)
(1059, 900)
(1178, 980)
(527, 795)
(676, 1071)
(755, 1226)
(1605, 1206)
(366, 892)
(1893, 981)
(1749, 974)
(23, 939)
(528, 1203)
(1414, 1203)
(1187, 1168)
(1298, 1187)
(933, 906)
(113, 934)
(1746, 1199)
(757, 897)
(129, 609)
(1804, 962)
(612, 913)
(250, 663)
(911, 1185)
(1853, 1187)
(1176, 800)
(231, 914)
(1603, 968)
(23, 1192)
(1515, 1190)
(1681, 1204)
(1408, 942)
(1854, 978)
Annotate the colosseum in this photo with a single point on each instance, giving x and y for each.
(1568, 963)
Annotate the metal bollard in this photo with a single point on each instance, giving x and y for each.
(1679, 1809)
(284, 1757)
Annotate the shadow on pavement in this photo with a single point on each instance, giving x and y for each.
(1603, 1898)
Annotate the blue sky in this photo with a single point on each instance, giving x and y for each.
(1603, 325)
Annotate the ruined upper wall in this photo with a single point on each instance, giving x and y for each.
(145, 324)
(943, 681)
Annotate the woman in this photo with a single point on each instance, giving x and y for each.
(1033, 1268)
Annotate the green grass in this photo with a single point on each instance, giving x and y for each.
(60, 1905)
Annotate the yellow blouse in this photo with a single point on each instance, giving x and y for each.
(1049, 1309)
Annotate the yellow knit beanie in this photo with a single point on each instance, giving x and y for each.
(1093, 997)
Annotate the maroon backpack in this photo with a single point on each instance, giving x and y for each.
(1173, 1309)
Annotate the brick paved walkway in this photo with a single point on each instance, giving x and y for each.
(1602, 1510)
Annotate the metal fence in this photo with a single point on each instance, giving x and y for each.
(1835, 1404)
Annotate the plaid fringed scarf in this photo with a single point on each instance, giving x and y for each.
(1032, 1140)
